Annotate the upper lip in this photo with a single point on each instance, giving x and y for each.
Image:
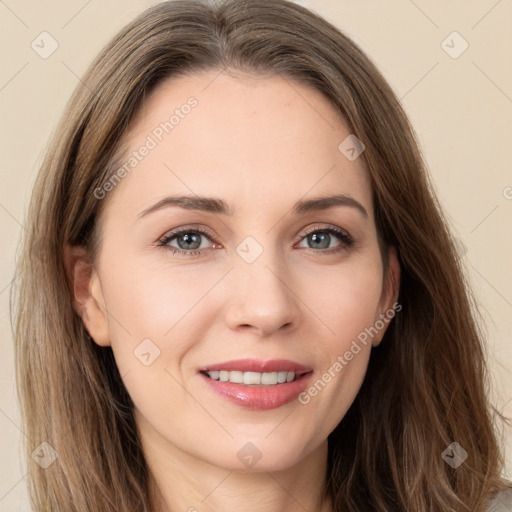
(258, 365)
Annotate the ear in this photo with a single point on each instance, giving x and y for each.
(86, 293)
(389, 297)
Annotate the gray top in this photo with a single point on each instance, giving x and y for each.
(501, 502)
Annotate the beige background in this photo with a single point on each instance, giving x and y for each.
(461, 108)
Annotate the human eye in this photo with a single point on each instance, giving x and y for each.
(188, 240)
(321, 238)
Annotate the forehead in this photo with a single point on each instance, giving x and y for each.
(257, 142)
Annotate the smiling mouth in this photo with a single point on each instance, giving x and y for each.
(256, 384)
(253, 378)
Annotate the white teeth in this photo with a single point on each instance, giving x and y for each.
(252, 378)
(269, 379)
(237, 377)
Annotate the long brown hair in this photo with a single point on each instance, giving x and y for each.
(427, 383)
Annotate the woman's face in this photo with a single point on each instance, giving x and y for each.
(260, 272)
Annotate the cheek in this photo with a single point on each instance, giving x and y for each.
(153, 303)
(346, 298)
(152, 321)
(338, 386)
(348, 308)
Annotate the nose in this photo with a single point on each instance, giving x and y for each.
(261, 298)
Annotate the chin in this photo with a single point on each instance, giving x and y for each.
(260, 453)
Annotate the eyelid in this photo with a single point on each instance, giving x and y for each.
(326, 227)
(185, 229)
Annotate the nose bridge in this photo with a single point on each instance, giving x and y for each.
(262, 259)
(262, 295)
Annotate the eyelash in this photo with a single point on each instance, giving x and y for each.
(345, 239)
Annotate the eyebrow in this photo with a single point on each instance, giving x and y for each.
(216, 205)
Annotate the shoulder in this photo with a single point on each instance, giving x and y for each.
(501, 501)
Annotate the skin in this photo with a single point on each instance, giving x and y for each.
(260, 144)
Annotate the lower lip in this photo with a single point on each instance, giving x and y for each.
(259, 397)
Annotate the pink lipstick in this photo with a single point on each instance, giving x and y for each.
(257, 384)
